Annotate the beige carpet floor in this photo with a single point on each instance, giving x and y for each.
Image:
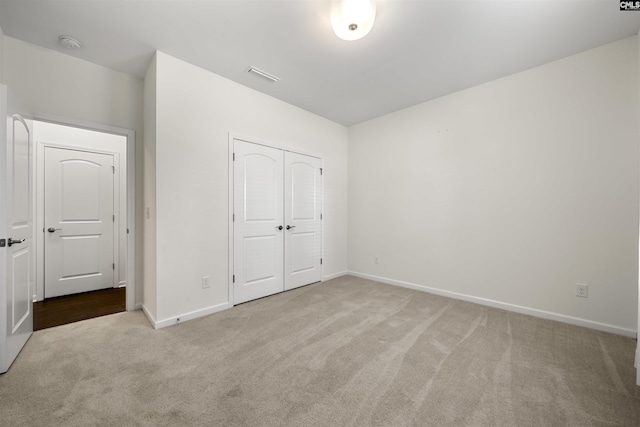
(347, 352)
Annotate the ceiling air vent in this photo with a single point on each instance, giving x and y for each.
(263, 74)
(69, 42)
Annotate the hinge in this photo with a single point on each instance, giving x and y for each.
(234, 278)
(114, 218)
(320, 217)
(320, 260)
(127, 231)
(234, 217)
(234, 157)
(3, 243)
(113, 266)
(320, 171)
(114, 169)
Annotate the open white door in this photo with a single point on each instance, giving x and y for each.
(16, 231)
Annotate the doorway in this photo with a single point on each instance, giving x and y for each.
(84, 221)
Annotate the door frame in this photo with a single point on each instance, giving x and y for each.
(125, 215)
(233, 136)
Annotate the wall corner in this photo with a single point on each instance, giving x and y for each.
(637, 360)
(149, 193)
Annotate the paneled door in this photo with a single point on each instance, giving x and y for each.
(303, 224)
(258, 250)
(79, 221)
(277, 228)
(16, 232)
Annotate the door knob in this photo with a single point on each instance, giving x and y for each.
(279, 227)
(14, 241)
(51, 229)
(289, 227)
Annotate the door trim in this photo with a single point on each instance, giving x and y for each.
(233, 136)
(127, 173)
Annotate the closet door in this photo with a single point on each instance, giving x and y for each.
(258, 249)
(303, 224)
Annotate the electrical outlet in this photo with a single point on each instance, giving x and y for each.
(582, 291)
(205, 281)
(376, 260)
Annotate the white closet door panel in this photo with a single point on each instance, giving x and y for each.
(258, 242)
(261, 258)
(303, 230)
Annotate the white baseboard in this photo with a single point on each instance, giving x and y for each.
(190, 316)
(149, 316)
(505, 306)
(334, 275)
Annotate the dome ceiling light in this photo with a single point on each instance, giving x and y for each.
(352, 19)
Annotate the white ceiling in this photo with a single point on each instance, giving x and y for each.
(417, 50)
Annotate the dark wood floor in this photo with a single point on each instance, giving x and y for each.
(73, 308)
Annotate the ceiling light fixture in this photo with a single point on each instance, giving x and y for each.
(352, 19)
(263, 74)
(69, 42)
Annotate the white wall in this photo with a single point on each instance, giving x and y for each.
(195, 111)
(1, 56)
(51, 83)
(149, 230)
(512, 191)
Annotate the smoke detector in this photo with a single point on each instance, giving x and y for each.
(69, 42)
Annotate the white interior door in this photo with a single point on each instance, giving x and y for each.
(79, 221)
(303, 229)
(258, 224)
(16, 233)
